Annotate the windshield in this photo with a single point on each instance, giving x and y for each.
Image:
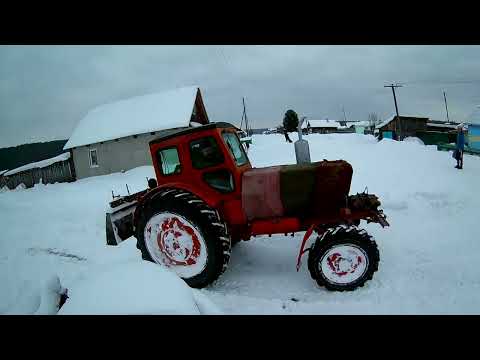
(205, 153)
(236, 149)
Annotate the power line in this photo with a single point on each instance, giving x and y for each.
(433, 82)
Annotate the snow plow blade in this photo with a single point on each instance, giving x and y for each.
(119, 220)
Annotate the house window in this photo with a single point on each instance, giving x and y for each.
(93, 158)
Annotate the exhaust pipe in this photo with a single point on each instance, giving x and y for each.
(302, 150)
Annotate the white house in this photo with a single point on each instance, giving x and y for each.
(115, 137)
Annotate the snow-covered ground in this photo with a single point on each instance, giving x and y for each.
(429, 255)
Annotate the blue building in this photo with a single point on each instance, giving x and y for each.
(473, 122)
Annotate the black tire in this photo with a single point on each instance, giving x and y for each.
(207, 221)
(343, 235)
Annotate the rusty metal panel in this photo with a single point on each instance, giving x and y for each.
(261, 193)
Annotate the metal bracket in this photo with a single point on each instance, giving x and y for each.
(304, 241)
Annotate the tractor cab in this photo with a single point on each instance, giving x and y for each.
(206, 159)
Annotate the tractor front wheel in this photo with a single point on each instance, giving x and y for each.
(343, 258)
(180, 231)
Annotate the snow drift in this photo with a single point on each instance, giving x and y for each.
(428, 256)
(138, 287)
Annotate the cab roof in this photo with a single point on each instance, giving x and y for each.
(171, 133)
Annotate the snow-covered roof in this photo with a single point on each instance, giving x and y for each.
(3, 172)
(389, 119)
(39, 164)
(137, 115)
(451, 126)
(385, 122)
(324, 124)
(357, 123)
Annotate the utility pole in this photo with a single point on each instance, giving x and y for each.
(446, 107)
(244, 116)
(396, 108)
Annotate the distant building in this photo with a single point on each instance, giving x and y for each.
(390, 127)
(269, 131)
(48, 171)
(360, 127)
(473, 122)
(116, 136)
(441, 126)
(324, 127)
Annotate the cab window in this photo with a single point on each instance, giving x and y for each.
(235, 148)
(205, 152)
(169, 162)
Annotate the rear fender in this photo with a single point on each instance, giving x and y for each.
(211, 200)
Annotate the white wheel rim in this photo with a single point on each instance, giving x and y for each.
(176, 243)
(343, 264)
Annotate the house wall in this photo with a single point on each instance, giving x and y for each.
(329, 130)
(113, 156)
(474, 136)
(360, 129)
(409, 126)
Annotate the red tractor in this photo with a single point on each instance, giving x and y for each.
(207, 197)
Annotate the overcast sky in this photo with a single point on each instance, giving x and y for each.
(45, 90)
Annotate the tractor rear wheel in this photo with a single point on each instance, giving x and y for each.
(343, 258)
(180, 231)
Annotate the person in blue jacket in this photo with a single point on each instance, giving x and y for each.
(460, 146)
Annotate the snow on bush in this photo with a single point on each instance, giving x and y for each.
(39, 301)
(415, 140)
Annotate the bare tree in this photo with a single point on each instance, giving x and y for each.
(373, 119)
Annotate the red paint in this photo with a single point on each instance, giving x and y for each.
(168, 228)
(305, 238)
(334, 261)
(275, 226)
(261, 195)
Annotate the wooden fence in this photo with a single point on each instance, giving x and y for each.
(61, 171)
